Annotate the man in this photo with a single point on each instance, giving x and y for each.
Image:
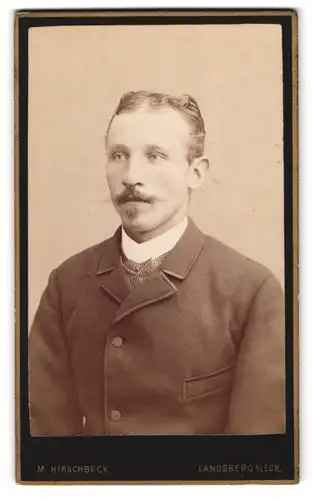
(159, 329)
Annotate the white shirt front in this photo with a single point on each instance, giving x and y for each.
(153, 248)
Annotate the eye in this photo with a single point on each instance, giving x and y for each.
(118, 156)
(154, 156)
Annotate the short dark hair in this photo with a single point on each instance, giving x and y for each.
(185, 104)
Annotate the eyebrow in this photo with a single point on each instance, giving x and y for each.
(118, 147)
(157, 149)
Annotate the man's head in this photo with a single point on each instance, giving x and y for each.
(155, 145)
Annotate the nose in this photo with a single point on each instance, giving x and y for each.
(134, 173)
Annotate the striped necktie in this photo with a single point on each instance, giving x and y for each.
(138, 272)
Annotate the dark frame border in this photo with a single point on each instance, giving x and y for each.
(182, 453)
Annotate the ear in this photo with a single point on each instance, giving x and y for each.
(197, 173)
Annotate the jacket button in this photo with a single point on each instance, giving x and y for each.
(115, 415)
(117, 342)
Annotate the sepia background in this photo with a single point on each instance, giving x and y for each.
(76, 77)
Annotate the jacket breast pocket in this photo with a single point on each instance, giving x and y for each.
(202, 385)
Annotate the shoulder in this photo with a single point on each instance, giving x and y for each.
(238, 282)
(231, 271)
(83, 263)
(67, 281)
(226, 259)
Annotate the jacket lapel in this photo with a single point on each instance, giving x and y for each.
(159, 285)
(110, 275)
(180, 260)
(153, 289)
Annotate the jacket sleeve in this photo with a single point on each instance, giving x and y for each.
(258, 397)
(53, 404)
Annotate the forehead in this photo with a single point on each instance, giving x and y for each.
(163, 127)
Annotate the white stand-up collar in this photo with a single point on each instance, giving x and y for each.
(153, 248)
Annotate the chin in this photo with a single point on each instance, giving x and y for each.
(140, 222)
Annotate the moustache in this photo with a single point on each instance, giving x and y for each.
(130, 194)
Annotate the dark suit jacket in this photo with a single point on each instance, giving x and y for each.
(197, 348)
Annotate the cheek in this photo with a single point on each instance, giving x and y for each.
(113, 176)
(174, 183)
